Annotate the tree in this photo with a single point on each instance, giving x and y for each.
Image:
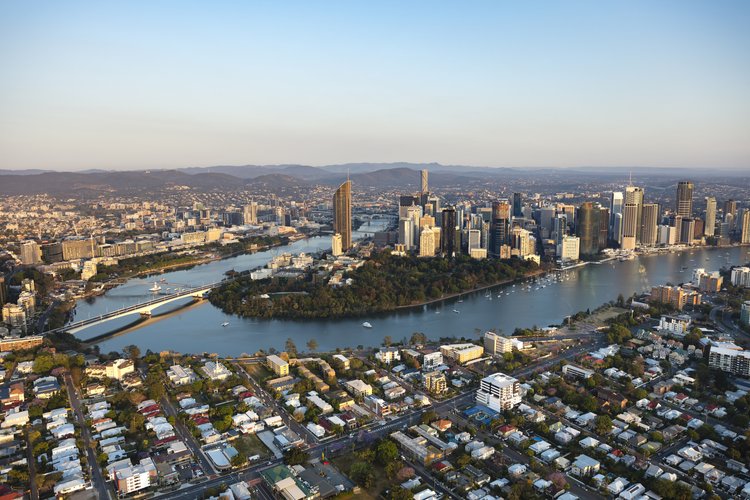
(602, 424)
(238, 460)
(295, 456)
(312, 345)
(133, 352)
(386, 451)
(361, 473)
(429, 416)
(400, 493)
(291, 347)
(387, 341)
(418, 338)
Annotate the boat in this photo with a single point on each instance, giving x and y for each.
(163, 280)
(456, 311)
(155, 288)
(225, 324)
(460, 300)
(366, 325)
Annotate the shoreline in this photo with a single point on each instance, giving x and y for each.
(534, 274)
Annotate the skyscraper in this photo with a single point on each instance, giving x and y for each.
(744, 226)
(250, 213)
(634, 196)
(603, 227)
(517, 205)
(709, 226)
(649, 223)
(684, 200)
(587, 228)
(404, 202)
(406, 232)
(730, 207)
(342, 214)
(615, 207)
(630, 226)
(3, 291)
(500, 226)
(425, 186)
(448, 232)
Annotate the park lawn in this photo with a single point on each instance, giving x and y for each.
(258, 372)
(250, 445)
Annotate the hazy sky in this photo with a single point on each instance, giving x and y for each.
(155, 84)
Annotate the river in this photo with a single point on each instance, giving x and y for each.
(197, 328)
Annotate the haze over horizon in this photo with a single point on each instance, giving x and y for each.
(550, 84)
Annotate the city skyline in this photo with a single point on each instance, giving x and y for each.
(551, 84)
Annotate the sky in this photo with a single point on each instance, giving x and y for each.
(165, 84)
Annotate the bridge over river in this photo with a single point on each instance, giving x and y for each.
(144, 309)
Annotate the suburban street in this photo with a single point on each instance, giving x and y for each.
(97, 479)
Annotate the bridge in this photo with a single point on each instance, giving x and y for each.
(145, 309)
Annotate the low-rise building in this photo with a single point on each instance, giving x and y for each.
(677, 325)
(577, 372)
(462, 353)
(388, 355)
(216, 371)
(277, 365)
(180, 375)
(435, 382)
(358, 388)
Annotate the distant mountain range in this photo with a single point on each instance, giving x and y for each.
(276, 177)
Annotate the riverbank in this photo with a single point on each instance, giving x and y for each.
(534, 274)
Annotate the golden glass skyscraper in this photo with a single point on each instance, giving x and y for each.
(342, 214)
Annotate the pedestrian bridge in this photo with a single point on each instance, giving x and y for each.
(145, 309)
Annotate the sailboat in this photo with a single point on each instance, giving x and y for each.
(155, 288)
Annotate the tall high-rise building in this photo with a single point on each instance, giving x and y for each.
(342, 214)
(687, 231)
(521, 242)
(406, 232)
(630, 226)
(617, 229)
(603, 237)
(3, 291)
(473, 240)
(730, 207)
(415, 214)
(709, 219)
(500, 226)
(634, 196)
(517, 205)
(587, 228)
(425, 188)
(31, 254)
(404, 202)
(684, 200)
(615, 207)
(427, 243)
(448, 242)
(744, 226)
(649, 224)
(250, 213)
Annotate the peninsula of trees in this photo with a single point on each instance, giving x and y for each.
(384, 283)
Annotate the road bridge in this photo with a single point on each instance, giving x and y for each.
(144, 308)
